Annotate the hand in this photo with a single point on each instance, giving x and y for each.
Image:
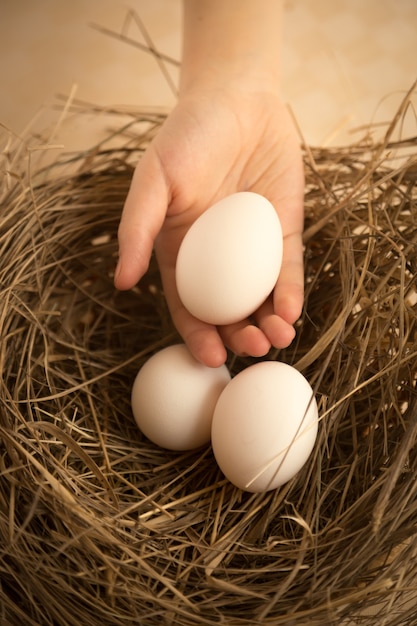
(213, 144)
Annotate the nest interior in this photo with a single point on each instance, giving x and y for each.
(100, 527)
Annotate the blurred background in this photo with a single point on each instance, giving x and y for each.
(345, 63)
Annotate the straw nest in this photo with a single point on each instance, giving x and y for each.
(100, 527)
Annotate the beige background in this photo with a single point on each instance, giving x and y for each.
(345, 62)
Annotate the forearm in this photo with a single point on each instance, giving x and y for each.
(231, 41)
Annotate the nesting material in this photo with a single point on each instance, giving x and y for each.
(98, 526)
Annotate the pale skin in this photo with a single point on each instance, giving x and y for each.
(230, 131)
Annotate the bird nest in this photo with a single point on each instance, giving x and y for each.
(99, 526)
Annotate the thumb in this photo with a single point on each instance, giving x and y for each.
(142, 218)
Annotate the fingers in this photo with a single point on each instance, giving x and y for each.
(278, 314)
(272, 323)
(207, 343)
(203, 340)
(275, 318)
(254, 338)
(245, 338)
(289, 291)
(276, 329)
(142, 217)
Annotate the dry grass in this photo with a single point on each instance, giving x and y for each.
(100, 527)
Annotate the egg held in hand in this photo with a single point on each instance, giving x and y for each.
(230, 259)
(264, 426)
(173, 398)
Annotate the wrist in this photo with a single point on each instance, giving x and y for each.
(232, 44)
(228, 77)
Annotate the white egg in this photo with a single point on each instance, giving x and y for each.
(264, 426)
(173, 398)
(230, 259)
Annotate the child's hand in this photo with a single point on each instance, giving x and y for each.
(214, 144)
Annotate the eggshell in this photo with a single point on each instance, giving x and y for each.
(230, 259)
(264, 426)
(173, 398)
